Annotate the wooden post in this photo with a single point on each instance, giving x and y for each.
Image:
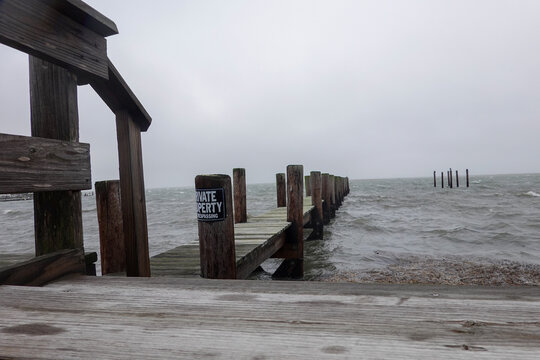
(308, 185)
(442, 180)
(434, 179)
(332, 196)
(467, 176)
(111, 230)
(133, 197)
(239, 185)
(216, 226)
(316, 200)
(281, 190)
(293, 265)
(449, 177)
(457, 179)
(325, 179)
(54, 115)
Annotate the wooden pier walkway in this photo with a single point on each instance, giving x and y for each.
(255, 241)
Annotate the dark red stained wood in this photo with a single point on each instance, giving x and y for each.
(216, 238)
(33, 26)
(240, 206)
(111, 228)
(281, 190)
(316, 200)
(54, 114)
(133, 196)
(45, 268)
(30, 164)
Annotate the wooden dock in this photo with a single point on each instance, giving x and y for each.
(159, 318)
(253, 240)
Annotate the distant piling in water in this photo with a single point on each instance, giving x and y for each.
(449, 178)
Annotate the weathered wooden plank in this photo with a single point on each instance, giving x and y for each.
(37, 28)
(85, 15)
(198, 318)
(133, 195)
(11, 259)
(45, 268)
(31, 164)
(54, 115)
(256, 256)
(111, 229)
(115, 92)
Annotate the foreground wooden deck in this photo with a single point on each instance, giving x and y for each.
(126, 318)
(254, 240)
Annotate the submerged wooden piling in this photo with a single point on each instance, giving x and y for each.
(216, 226)
(111, 231)
(239, 185)
(457, 179)
(434, 179)
(467, 176)
(316, 200)
(281, 190)
(442, 180)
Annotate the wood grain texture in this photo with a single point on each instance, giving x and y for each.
(31, 164)
(325, 191)
(116, 93)
(281, 189)
(37, 28)
(133, 195)
(54, 115)
(216, 238)
(240, 204)
(162, 318)
(316, 200)
(45, 268)
(111, 228)
(307, 182)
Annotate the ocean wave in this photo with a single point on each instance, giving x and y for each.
(11, 212)
(530, 194)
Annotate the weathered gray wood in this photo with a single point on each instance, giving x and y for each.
(325, 194)
(316, 200)
(45, 268)
(133, 195)
(333, 205)
(31, 164)
(281, 190)
(37, 28)
(11, 259)
(54, 114)
(240, 205)
(115, 92)
(111, 228)
(216, 238)
(199, 318)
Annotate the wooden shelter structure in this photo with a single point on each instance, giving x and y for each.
(67, 47)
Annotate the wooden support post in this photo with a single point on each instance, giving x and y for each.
(111, 228)
(316, 200)
(434, 179)
(467, 176)
(133, 196)
(442, 180)
(54, 115)
(308, 185)
(239, 185)
(457, 179)
(325, 196)
(293, 265)
(281, 190)
(216, 226)
(332, 196)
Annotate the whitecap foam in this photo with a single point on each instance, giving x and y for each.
(532, 194)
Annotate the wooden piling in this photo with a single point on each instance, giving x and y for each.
(111, 231)
(332, 196)
(442, 180)
(293, 265)
(239, 185)
(216, 226)
(316, 200)
(281, 190)
(467, 176)
(54, 115)
(434, 179)
(325, 185)
(457, 179)
(308, 185)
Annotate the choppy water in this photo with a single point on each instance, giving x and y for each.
(382, 223)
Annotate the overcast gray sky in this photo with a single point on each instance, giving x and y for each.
(365, 89)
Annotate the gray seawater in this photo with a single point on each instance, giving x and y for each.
(381, 222)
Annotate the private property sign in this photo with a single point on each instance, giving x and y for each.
(211, 205)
